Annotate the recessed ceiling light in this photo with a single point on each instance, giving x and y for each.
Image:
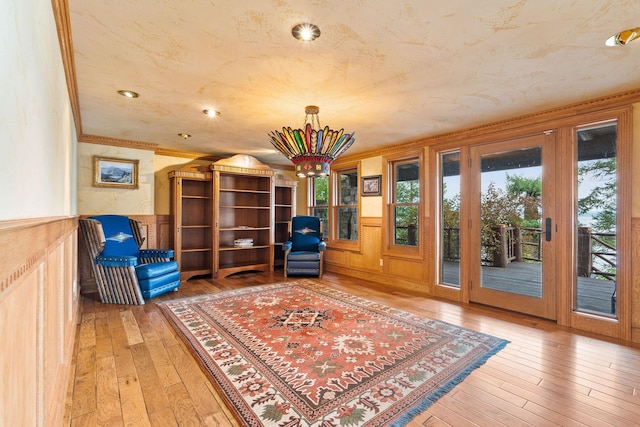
(623, 37)
(306, 32)
(184, 135)
(129, 93)
(211, 112)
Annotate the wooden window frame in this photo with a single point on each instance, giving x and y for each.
(311, 204)
(334, 194)
(388, 222)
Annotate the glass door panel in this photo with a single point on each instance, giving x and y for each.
(596, 254)
(514, 225)
(449, 230)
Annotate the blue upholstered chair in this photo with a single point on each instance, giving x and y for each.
(124, 273)
(303, 252)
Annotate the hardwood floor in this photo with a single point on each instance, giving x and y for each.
(130, 368)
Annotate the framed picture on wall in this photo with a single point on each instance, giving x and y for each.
(371, 185)
(115, 173)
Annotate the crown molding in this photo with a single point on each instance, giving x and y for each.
(543, 118)
(186, 154)
(116, 142)
(63, 26)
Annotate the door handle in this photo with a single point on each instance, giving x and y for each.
(547, 229)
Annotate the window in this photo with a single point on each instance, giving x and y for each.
(319, 201)
(347, 204)
(405, 201)
(403, 191)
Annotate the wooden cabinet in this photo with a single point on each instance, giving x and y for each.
(243, 212)
(192, 220)
(284, 209)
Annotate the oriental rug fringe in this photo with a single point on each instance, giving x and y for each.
(302, 354)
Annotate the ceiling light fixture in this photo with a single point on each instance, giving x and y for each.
(211, 112)
(306, 32)
(129, 93)
(184, 135)
(311, 149)
(623, 37)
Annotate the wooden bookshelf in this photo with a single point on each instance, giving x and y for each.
(243, 209)
(192, 220)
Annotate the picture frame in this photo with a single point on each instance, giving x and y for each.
(371, 185)
(111, 172)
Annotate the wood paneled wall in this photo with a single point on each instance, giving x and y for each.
(635, 280)
(39, 306)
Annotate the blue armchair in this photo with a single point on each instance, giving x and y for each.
(124, 273)
(303, 252)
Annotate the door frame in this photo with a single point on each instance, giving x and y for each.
(545, 305)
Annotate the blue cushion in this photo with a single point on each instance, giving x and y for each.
(160, 281)
(147, 271)
(304, 256)
(305, 233)
(118, 234)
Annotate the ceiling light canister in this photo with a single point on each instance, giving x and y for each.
(211, 112)
(128, 93)
(306, 32)
(623, 37)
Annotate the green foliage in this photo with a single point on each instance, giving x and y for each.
(406, 216)
(321, 187)
(601, 198)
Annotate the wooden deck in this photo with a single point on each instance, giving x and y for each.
(524, 278)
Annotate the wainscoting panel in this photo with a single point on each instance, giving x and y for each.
(635, 280)
(39, 306)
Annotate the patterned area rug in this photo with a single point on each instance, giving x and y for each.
(302, 354)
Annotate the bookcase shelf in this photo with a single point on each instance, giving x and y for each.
(192, 221)
(243, 209)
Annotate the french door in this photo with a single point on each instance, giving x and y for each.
(513, 229)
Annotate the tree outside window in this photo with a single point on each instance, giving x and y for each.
(405, 202)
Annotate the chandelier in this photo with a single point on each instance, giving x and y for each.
(312, 148)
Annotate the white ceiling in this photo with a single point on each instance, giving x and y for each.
(390, 70)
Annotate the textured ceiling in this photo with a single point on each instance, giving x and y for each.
(392, 71)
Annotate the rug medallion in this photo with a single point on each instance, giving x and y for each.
(302, 354)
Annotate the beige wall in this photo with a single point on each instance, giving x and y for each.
(162, 166)
(94, 200)
(37, 134)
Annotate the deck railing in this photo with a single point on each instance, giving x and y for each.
(596, 251)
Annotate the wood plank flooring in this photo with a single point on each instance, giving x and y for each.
(130, 368)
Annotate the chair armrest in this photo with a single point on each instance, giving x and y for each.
(116, 261)
(322, 246)
(286, 246)
(155, 255)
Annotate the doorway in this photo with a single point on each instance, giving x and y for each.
(513, 229)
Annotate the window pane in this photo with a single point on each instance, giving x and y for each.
(406, 225)
(348, 223)
(349, 188)
(407, 182)
(323, 214)
(450, 219)
(597, 217)
(321, 191)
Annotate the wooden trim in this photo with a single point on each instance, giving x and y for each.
(28, 239)
(388, 248)
(40, 302)
(116, 142)
(334, 242)
(63, 26)
(537, 121)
